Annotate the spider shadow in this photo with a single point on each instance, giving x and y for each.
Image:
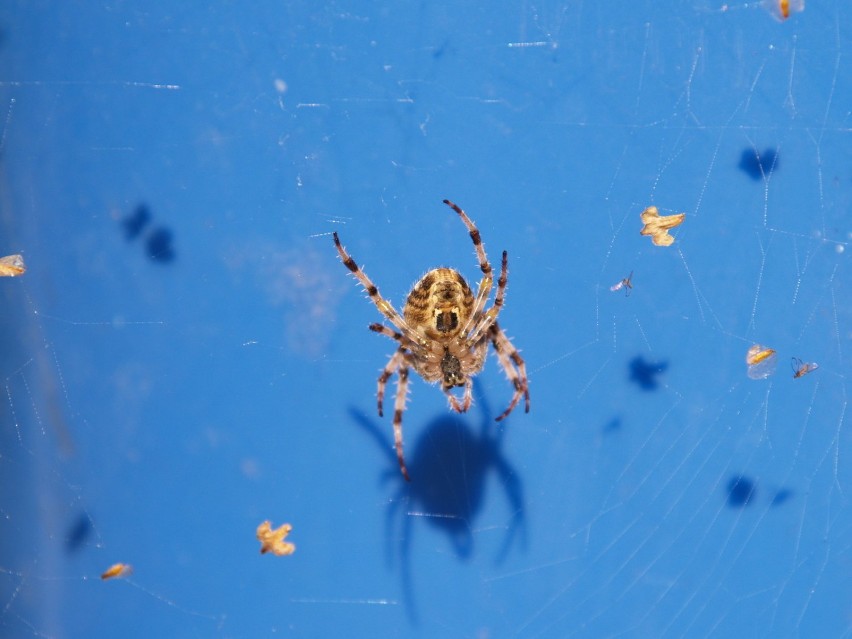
(158, 241)
(758, 166)
(78, 533)
(644, 373)
(449, 464)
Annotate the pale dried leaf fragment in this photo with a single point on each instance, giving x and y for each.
(273, 540)
(657, 226)
(117, 571)
(12, 266)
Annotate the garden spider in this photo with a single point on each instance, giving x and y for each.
(443, 333)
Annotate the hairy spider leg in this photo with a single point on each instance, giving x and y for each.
(485, 285)
(398, 363)
(398, 408)
(385, 307)
(390, 368)
(490, 316)
(513, 364)
(394, 335)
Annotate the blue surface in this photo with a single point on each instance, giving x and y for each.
(187, 357)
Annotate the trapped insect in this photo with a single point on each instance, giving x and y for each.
(800, 368)
(444, 332)
(626, 284)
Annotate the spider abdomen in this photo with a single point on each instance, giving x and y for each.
(440, 304)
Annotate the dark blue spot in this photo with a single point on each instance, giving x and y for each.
(740, 491)
(782, 496)
(78, 532)
(757, 165)
(135, 222)
(645, 373)
(613, 425)
(159, 245)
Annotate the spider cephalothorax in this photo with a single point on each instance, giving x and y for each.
(451, 370)
(444, 332)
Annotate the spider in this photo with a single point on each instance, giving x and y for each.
(443, 333)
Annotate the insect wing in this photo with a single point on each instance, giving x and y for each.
(800, 368)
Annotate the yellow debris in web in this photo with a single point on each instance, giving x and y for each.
(761, 362)
(117, 571)
(12, 266)
(657, 226)
(273, 540)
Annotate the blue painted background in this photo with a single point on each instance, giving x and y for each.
(187, 357)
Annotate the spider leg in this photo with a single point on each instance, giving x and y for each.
(490, 316)
(399, 407)
(404, 340)
(397, 364)
(485, 285)
(384, 330)
(514, 366)
(385, 307)
(466, 400)
(394, 363)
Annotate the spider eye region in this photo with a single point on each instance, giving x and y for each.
(451, 369)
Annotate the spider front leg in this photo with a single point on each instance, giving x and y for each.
(488, 318)
(514, 366)
(381, 303)
(487, 281)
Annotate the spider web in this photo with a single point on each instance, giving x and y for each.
(185, 356)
